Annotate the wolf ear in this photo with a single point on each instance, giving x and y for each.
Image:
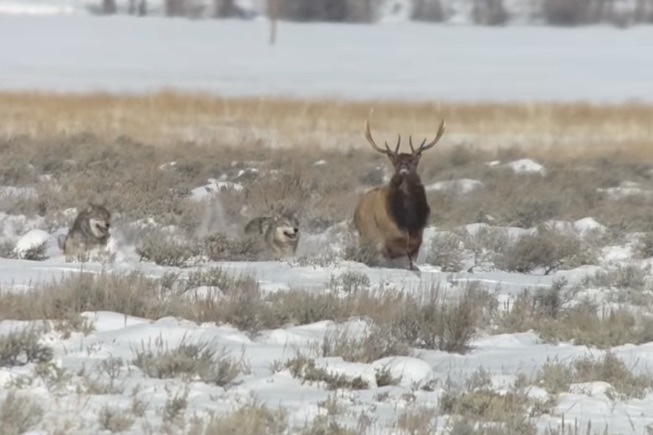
(266, 224)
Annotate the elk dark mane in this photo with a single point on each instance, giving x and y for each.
(408, 205)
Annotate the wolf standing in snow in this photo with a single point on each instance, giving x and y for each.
(89, 230)
(280, 234)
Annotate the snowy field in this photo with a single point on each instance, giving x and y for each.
(404, 61)
(95, 383)
(550, 319)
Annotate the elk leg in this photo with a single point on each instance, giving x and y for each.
(411, 265)
(409, 254)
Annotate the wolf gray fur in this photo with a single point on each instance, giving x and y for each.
(89, 230)
(280, 234)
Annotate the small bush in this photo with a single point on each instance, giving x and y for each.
(248, 420)
(36, 253)
(420, 421)
(511, 409)
(350, 282)
(365, 253)
(305, 368)
(644, 247)
(379, 342)
(439, 324)
(547, 313)
(219, 247)
(190, 361)
(19, 414)
(166, 252)
(557, 377)
(446, 251)
(487, 245)
(175, 406)
(548, 250)
(23, 347)
(115, 419)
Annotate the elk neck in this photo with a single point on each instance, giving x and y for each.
(407, 203)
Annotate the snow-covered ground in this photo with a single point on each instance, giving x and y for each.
(100, 379)
(394, 60)
(399, 60)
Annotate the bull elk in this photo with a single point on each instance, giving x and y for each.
(392, 217)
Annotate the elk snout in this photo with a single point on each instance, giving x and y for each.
(403, 169)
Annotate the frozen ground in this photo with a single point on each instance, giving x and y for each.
(394, 60)
(92, 359)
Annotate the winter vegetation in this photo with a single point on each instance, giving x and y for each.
(530, 313)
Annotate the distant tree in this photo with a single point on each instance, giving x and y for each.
(644, 11)
(328, 10)
(428, 10)
(185, 8)
(109, 7)
(574, 12)
(229, 9)
(142, 8)
(489, 12)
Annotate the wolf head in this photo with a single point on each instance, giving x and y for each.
(99, 220)
(287, 228)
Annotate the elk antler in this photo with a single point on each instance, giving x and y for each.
(387, 150)
(422, 146)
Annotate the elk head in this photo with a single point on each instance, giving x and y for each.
(404, 164)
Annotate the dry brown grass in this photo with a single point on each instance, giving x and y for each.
(114, 147)
(402, 320)
(549, 313)
(557, 377)
(169, 118)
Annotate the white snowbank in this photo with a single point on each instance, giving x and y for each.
(31, 241)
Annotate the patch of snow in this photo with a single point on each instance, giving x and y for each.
(581, 227)
(462, 186)
(410, 371)
(18, 192)
(13, 226)
(597, 388)
(526, 166)
(589, 225)
(169, 165)
(214, 187)
(625, 189)
(32, 240)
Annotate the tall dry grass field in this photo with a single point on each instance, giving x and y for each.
(547, 129)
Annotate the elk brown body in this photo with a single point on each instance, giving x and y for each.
(392, 217)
